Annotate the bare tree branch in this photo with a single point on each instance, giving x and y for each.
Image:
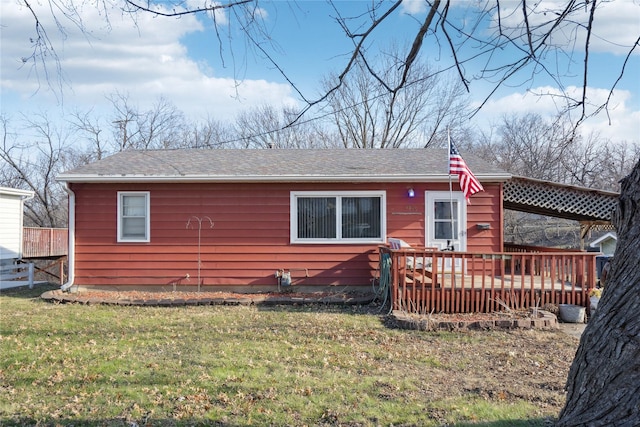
(586, 62)
(525, 17)
(456, 61)
(525, 29)
(43, 48)
(136, 6)
(615, 84)
(417, 42)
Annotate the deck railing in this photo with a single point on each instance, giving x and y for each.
(512, 247)
(425, 280)
(40, 242)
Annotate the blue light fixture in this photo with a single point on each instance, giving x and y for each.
(411, 193)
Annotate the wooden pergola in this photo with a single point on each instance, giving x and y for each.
(591, 208)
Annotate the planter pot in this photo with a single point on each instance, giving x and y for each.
(571, 313)
(594, 302)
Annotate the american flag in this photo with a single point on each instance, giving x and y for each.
(457, 166)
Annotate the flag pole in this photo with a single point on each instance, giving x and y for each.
(469, 185)
(450, 189)
(453, 276)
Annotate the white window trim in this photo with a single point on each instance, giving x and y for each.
(293, 209)
(147, 196)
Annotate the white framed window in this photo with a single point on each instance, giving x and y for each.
(133, 216)
(338, 216)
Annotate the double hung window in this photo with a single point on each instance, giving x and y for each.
(133, 216)
(338, 217)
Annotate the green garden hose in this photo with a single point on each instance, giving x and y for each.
(383, 289)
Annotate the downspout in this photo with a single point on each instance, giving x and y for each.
(71, 246)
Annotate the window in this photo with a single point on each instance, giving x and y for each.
(338, 217)
(133, 216)
(445, 219)
(445, 225)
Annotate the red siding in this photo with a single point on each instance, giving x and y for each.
(250, 237)
(485, 208)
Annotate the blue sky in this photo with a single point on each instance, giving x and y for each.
(181, 60)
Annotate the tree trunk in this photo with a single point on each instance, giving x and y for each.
(603, 387)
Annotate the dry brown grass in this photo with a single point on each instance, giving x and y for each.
(74, 364)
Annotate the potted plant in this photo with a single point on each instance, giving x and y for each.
(594, 297)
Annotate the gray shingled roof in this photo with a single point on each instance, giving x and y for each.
(278, 165)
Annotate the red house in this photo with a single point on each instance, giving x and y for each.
(245, 219)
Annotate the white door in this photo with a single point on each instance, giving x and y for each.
(446, 221)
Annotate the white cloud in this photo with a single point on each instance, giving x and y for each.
(414, 7)
(615, 26)
(261, 13)
(143, 58)
(624, 121)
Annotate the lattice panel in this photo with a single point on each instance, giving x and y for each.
(577, 202)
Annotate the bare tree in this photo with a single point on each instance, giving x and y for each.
(584, 163)
(615, 159)
(528, 145)
(209, 134)
(267, 127)
(129, 127)
(158, 127)
(34, 166)
(89, 128)
(367, 115)
(603, 387)
(547, 150)
(164, 126)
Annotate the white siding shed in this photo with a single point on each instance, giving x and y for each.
(606, 244)
(11, 222)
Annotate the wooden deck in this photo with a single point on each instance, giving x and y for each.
(47, 249)
(39, 242)
(425, 281)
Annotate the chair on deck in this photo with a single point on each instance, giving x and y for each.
(416, 269)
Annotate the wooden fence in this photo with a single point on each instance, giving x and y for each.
(430, 281)
(38, 242)
(16, 274)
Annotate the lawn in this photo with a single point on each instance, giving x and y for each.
(81, 365)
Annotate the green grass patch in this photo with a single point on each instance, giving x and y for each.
(72, 364)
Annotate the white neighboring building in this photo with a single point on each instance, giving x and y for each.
(606, 244)
(13, 274)
(11, 221)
